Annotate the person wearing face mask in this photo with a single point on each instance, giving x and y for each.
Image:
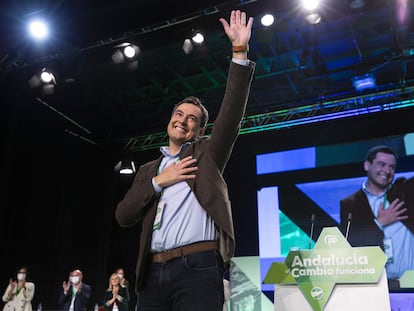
(75, 294)
(19, 293)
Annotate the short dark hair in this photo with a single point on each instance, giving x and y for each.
(197, 102)
(372, 153)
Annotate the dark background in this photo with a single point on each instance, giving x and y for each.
(58, 198)
(58, 192)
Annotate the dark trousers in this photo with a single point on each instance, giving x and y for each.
(193, 282)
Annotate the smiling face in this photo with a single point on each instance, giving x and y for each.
(184, 125)
(380, 172)
(114, 279)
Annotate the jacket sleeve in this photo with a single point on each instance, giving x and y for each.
(125, 298)
(62, 298)
(228, 122)
(5, 297)
(107, 297)
(140, 196)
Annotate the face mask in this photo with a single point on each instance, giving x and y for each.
(120, 275)
(21, 276)
(74, 279)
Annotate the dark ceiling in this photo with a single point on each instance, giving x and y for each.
(298, 64)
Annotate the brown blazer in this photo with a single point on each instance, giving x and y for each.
(363, 229)
(140, 202)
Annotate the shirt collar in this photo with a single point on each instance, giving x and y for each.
(366, 190)
(165, 150)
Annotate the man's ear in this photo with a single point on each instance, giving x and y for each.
(366, 165)
(201, 132)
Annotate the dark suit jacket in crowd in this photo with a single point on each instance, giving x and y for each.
(122, 305)
(81, 300)
(212, 154)
(363, 229)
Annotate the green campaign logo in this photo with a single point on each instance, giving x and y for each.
(332, 261)
(317, 293)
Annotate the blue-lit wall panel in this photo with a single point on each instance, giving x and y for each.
(286, 161)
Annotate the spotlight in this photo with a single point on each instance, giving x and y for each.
(310, 5)
(364, 82)
(197, 39)
(47, 76)
(38, 29)
(125, 167)
(127, 53)
(187, 46)
(45, 79)
(267, 20)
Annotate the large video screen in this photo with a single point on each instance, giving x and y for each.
(299, 192)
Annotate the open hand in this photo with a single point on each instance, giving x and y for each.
(65, 286)
(176, 172)
(394, 212)
(12, 286)
(239, 30)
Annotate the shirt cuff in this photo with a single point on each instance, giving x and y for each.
(157, 188)
(243, 62)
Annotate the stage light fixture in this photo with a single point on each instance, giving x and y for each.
(312, 15)
(310, 5)
(125, 167)
(47, 76)
(267, 20)
(127, 53)
(187, 46)
(45, 80)
(364, 82)
(38, 29)
(313, 18)
(196, 39)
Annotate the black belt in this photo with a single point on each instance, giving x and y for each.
(184, 251)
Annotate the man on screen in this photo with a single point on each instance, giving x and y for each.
(381, 213)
